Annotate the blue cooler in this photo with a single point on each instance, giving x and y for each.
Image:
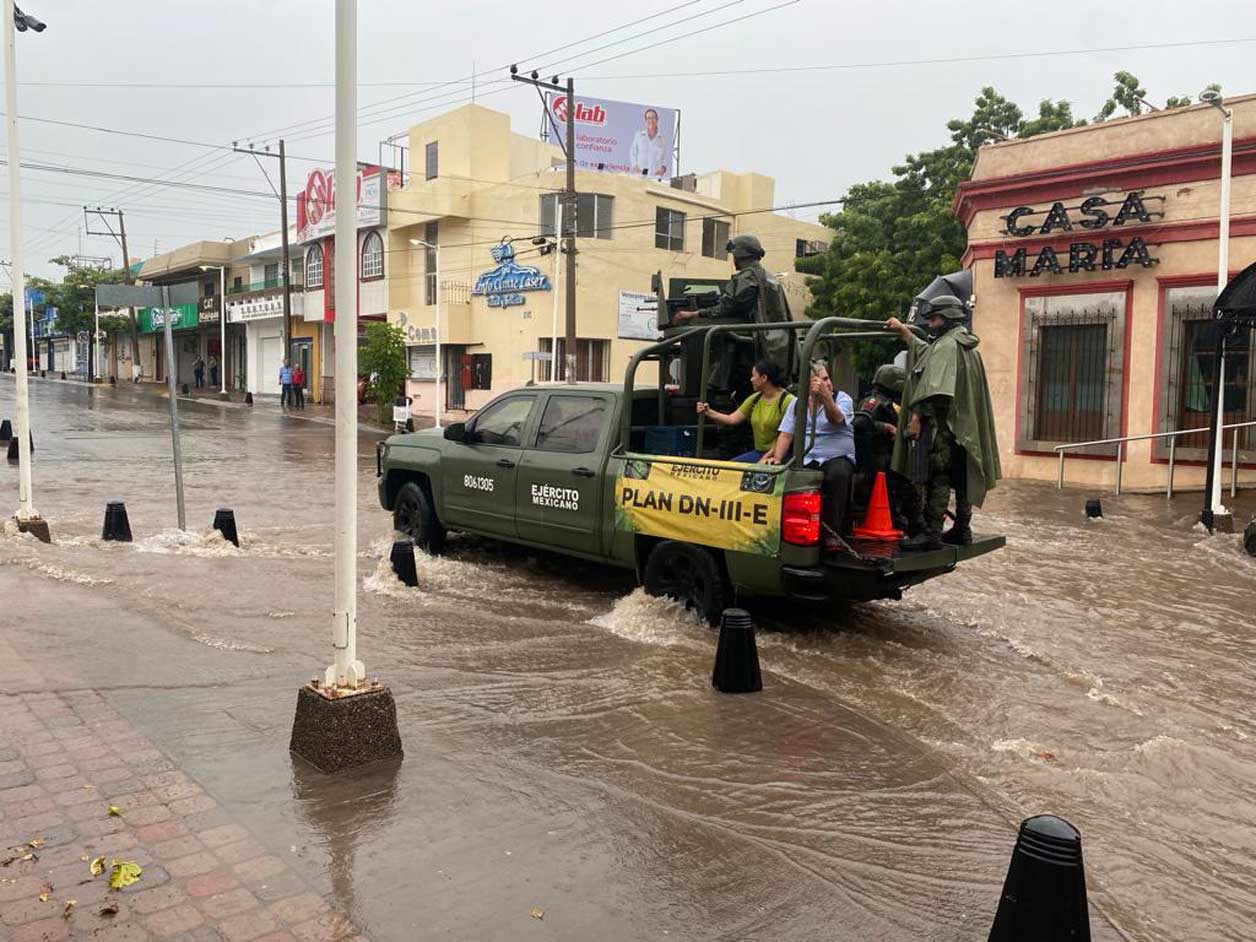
(675, 440)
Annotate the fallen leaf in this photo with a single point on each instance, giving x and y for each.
(44, 896)
(83, 858)
(108, 909)
(36, 843)
(1044, 755)
(124, 873)
(536, 912)
(69, 908)
(30, 856)
(97, 866)
(114, 811)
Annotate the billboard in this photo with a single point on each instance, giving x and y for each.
(316, 202)
(617, 136)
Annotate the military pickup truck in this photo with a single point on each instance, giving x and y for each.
(628, 477)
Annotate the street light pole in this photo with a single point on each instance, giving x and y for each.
(1215, 512)
(435, 249)
(28, 519)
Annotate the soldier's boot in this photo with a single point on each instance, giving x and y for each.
(961, 533)
(937, 496)
(926, 539)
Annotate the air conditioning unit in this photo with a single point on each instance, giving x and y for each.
(688, 183)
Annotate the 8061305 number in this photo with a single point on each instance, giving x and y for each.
(476, 483)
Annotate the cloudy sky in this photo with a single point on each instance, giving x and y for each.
(209, 73)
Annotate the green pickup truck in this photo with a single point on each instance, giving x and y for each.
(628, 477)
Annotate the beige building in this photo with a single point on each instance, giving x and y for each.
(477, 186)
(1094, 258)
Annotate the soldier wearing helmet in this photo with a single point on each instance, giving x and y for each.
(754, 296)
(876, 427)
(947, 440)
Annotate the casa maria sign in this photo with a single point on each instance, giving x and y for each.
(1095, 214)
(505, 284)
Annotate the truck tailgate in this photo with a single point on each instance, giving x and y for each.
(886, 557)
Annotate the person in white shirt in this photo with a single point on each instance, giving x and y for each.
(650, 151)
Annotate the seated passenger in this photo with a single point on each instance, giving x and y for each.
(830, 434)
(764, 408)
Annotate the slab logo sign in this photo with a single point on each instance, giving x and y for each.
(585, 113)
(713, 504)
(505, 284)
(1093, 214)
(316, 203)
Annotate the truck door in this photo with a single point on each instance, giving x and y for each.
(561, 480)
(478, 476)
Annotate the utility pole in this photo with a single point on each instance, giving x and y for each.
(28, 519)
(120, 238)
(568, 201)
(283, 224)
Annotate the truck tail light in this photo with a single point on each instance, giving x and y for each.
(800, 518)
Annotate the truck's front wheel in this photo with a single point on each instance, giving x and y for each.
(689, 574)
(414, 516)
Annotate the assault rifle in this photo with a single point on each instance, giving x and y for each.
(691, 297)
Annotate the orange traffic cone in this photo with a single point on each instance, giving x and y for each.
(877, 523)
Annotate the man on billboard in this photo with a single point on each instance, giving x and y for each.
(651, 151)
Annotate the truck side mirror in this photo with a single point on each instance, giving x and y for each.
(457, 432)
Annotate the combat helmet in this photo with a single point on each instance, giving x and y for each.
(891, 377)
(946, 305)
(745, 246)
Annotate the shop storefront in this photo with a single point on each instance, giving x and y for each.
(1094, 278)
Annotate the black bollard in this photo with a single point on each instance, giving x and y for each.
(43, 374)
(224, 523)
(117, 526)
(1249, 538)
(113, 381)
(248, 399)
(736, 656)
(183, 390)
(13, 454)
(402, 559)
(1044, 895)
(1093, 507)
(6, 430)
(63, 374)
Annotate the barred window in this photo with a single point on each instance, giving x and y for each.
(1186, 373)
(314, 267)
(1074, 356)
(594, 215)
(372, 256)
(592, 360)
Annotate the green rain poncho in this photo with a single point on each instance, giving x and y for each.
(950, 366)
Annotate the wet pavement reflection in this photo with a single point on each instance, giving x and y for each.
(564, 750)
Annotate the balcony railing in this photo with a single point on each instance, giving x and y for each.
(267, 285)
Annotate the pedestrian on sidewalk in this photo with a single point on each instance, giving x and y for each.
(198, 372)
(298, 386)
(213, 370)
(285, 385)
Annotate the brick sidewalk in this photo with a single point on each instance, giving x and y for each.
(64, 758)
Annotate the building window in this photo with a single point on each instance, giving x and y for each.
(237, 283)
(714, 238)
(431, 261)
(669, 230)
(431, 160)
(1074, 356)
(594, 215)
(270, 275)
(592, 360)
(372, 256)
(1186, 373)
(314, 267)
(481, 371)
(805, 248)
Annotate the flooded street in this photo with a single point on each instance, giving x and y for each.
(564, 750)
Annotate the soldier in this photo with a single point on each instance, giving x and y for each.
(876, 428)
(946, 421)
(754, 296)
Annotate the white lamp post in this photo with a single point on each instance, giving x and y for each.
(436, 249)
(1213, 98)
(28, 518)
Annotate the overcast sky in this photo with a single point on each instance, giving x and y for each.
(816, 132)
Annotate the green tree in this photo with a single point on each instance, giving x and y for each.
(383, 358)
(75, 297)
(1130, 95)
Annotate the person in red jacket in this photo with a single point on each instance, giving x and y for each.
(298, 387)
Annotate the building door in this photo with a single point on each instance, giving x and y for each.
(269, 359)
(559, 489)
(457, 377)
(1199, 341)
(303, 356)
(1071, 373)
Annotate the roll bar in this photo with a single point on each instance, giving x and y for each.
(819, 331)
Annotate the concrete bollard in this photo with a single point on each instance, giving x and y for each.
(402, 559)
(6, 430)
(224, 523)
(117, 526)
(736, 657)
(1093, 507)
(248, 399)
(1044, 895)
(1249, 538)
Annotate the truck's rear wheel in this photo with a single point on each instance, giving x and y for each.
(689, 574)
(414, 516)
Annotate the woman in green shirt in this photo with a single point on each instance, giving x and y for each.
(764, 408)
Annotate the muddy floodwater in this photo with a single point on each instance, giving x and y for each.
(564, 749)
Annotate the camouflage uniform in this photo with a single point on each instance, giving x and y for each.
(948, 468)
